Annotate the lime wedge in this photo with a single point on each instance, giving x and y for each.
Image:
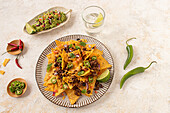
(104, 77)
(30, 29)
(98, 20)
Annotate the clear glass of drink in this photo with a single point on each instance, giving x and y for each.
(93, 17)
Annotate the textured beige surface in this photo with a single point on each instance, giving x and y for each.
(148, 20)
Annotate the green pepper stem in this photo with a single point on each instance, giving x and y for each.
(129, 40)
(150, 64)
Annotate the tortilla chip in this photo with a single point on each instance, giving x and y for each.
(72, 97)
(58, 42)
(50, 87)
(88, 53)
(5, 62)
(2, 72)
(97, 51)
(103, 63)
(90, 46)
(91, 86)
(59, 91)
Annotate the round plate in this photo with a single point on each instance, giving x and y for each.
(83, 100)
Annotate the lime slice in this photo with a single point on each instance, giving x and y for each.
(98, 20)
(30, 29)
(104, 77)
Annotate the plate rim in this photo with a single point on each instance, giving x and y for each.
(65, 106)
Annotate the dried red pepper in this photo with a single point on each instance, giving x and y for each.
(20, 44)
(12, 49)
(16, 61)
(11, 44)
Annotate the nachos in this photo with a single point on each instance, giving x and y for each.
(73, 67)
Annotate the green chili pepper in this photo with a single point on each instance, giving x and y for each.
(54, 80)
(133, 72)
(17, 84)
(13, 84)
(22, 85)
(129, 49)
(59, 59)
(87, 64)
(93, 57)
(18, 91)
(65, 86)
(49, 67)
(84, 91)
(12, 89)
(80, 73)
(69, 65)
(90, 79)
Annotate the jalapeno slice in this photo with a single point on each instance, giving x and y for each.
(65, 86)
(18, 91)
(22, 85)
(12, 89)
(87, 64)
(69, 65)
(54, 80)
(84, 91)
(59, 59)
(80, 73)
(15, 84)
(90, 79)
(93, 57)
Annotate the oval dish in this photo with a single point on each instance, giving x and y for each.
(62, 9)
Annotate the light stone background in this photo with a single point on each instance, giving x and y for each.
(147, 20)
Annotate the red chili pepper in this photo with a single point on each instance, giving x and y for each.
(20, 44)
(12, 49)
(11, 44)
(16, 61)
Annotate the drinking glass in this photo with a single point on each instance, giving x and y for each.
(93, 17)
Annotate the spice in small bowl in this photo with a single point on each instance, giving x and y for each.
(17, 87)
(15, 47)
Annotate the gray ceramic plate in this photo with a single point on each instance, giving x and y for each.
(83, 100)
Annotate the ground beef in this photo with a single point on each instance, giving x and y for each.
(94, 64)
(77, 91)
(88, 91)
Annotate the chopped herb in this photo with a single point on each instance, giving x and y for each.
(72, 55)
(80, 73)
(77, 47)
(70, 46)
(49, 67)
(82, 43)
